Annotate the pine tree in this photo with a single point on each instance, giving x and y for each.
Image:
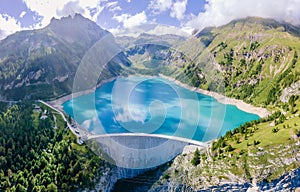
(196, 159)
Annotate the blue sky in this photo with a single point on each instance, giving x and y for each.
(29, 15)
(119, 16)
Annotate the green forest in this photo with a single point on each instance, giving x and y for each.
(39, 154)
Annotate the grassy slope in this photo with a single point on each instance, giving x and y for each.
(273, 156)
(273, 41)
(259, 153)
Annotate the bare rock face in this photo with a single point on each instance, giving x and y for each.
(288, 182)
(294, 89)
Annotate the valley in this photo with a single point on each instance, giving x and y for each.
(252, 63)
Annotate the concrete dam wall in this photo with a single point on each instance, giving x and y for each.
(137, 150)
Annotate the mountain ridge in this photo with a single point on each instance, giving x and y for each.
(255, 62)
(74, 28)
(248, 55)
(48, 57)
(267, 22)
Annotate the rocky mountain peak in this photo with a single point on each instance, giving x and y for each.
(77, 27)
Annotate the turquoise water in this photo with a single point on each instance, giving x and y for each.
(155, 106)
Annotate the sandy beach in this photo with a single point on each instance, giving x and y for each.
(261, 112)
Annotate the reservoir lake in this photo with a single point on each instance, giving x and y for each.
(155, 106)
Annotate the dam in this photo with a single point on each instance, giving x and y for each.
(139, 123)
(133, 153)
(139, 150)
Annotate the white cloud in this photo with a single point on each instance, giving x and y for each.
(116, 8)
(58, 9)
(130, 32)
(164, 29)
(221, 12)
(130, 21)
(46, 10)
(71, 8)
(135, 20)
(178, 9)
(116, 31)
(188, 30)
(216, 12)
(22, 14)
(121, 18)
(113, 6)
(159, 6)
(152, 29)
(8, 25)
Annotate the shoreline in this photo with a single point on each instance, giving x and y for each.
(240, 104)
(59, 101)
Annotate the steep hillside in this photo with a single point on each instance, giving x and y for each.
(256, 155)
(39, 154)
(256, 57)
(252, 59)
(144, 38)
(170, 55)
(42, 63)
(258, 61)
(155, 59)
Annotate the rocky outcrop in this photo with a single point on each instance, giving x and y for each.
(264, 170)
(289, 182)
(294, 89)
(107, 180)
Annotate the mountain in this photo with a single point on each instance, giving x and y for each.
(42, 63)
(144, 38)
(252, 59)
(255, 58)
(153, 54)
(77, 28)
(170, 55)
